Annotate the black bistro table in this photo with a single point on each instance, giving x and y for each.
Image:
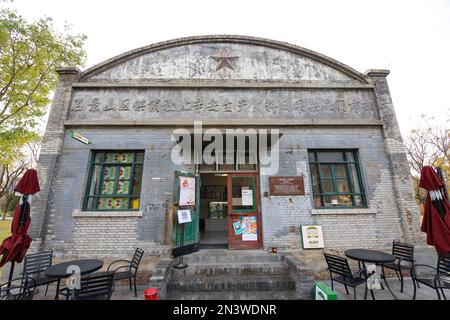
(59, 270)
(371, 256)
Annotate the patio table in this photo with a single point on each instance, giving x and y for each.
(375, 257)
(59, 270)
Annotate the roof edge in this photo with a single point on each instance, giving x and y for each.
(224, 38)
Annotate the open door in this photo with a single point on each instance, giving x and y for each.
(244, 218)
(186, 196)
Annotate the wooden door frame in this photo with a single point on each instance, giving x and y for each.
(257, 212)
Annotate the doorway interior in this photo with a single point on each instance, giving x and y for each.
(229, 211)
(213, 211)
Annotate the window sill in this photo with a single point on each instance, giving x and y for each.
(77, 213)
(343, 211)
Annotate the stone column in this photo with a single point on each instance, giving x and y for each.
(50, 150)
(403, 186)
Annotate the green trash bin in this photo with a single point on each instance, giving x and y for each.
(322, 292)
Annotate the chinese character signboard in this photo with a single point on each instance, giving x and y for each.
(312, 237)
(286, 186)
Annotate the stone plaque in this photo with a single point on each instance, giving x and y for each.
(286, 186)
(203, 104)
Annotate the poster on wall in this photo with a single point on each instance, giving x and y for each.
(184, 216)
(312, 237)
(237, 226)
(247, 197)
(250, 229)
(187, 191)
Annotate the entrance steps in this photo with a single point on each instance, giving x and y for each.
(232, 275)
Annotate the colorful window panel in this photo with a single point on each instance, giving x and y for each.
(115, 181)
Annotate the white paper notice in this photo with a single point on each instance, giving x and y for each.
(184, 216)
(247, 197)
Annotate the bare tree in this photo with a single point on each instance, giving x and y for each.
(428, 145)
(10, 174)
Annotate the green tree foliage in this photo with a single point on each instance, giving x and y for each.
(29, 53)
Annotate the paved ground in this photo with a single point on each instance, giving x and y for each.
(423, 293)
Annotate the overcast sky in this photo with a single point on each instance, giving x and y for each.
(410, 38)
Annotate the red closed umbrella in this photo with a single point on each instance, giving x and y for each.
(15, 246)
(436, 217)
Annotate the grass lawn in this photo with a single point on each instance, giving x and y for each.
(5, 231)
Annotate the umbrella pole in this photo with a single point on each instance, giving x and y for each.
(11, 272)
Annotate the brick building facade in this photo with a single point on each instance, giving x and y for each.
(134, 102)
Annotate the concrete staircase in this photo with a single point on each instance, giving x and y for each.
(232, 275)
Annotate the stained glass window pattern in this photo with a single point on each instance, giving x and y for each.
(336, 179)
(114, 181)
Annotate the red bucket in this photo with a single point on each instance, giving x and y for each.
(151, 294)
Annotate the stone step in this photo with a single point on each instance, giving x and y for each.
(244, 256)
(234, 295)
(232, 268)
(231, 283)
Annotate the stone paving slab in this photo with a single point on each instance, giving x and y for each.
(423, 293)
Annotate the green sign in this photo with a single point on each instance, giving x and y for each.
(322, 292)
(79, 137)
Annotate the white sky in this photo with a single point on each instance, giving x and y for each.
(410, 38)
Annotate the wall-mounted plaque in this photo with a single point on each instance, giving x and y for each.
(286, 186)
(312, 237)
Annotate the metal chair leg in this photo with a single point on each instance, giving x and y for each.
(135, 289)
(398, 276)
(443, 294)
(354, 293)
(46, 289)
(129, 280)
(365, 292)
(346, 290)
(401, 280)
(415, 289)
(439, 296)
(332, 284)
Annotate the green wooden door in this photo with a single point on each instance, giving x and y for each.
(186, 242)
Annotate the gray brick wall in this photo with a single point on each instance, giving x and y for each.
(350, 110)
(283, 215)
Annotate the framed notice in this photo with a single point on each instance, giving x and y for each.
(312, 237)
(184, 216)
(286, 186)
(187, 191)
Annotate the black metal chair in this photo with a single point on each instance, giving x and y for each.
(403, 252)
(95, 286)
(132, 266)
(34, 266)
(18, 289)
(440, 281)
(339, 266)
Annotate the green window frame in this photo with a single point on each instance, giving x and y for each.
(114, 180)
(336, 179)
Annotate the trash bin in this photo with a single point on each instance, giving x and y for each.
(151, 294)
